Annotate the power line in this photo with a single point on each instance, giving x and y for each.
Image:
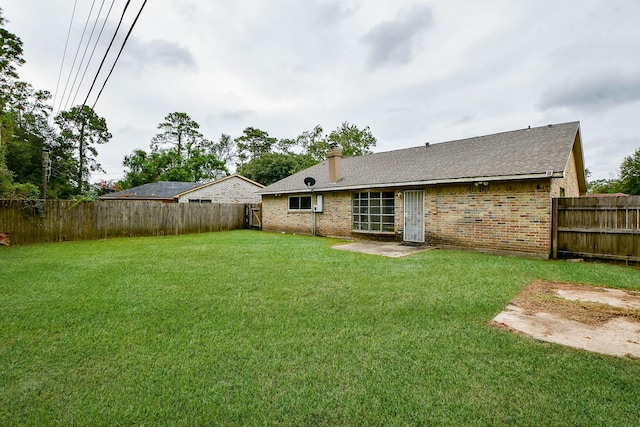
(76, 55)
(94, 48)
(119, 53)
(55, 94)
(74, 90)
(104, 58)
(84, 54)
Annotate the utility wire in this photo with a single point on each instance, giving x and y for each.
(55, 94)
(107, 52)
(84, 54)
(75, 58)
(94, 50)
(119, 53)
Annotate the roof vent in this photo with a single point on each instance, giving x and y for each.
(426, 144)
(549, 172)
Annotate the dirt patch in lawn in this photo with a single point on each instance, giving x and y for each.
(602, 320)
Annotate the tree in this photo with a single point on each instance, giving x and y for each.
(30, 113)
(81, 129)
(10, 59)
(143, 168)
(353, 141)
(630, 174)
(271, 167)
(628, 182)
(604, 186)
(224, 149)
(180, 153)
(10, 56)
(254, 143)
(180, 132)
(313, 143)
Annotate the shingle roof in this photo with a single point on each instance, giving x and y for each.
(154, 190)
(526, 153)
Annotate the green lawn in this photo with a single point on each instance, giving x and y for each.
(252, 328)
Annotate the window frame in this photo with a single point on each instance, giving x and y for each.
(300, 206)
(373, 211)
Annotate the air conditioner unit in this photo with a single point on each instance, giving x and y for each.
(318, 206)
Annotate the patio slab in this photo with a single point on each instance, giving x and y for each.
(388, 249)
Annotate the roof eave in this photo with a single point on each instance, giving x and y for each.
(543, 175)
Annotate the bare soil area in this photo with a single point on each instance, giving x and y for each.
(597, 319)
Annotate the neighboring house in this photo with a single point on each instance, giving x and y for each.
(231, 189)
(162, 191)
(491, 192)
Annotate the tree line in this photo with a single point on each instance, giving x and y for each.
(41, 155)
(35, 147)
(627, 182)
(181, 153)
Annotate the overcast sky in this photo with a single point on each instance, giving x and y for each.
(412, 71)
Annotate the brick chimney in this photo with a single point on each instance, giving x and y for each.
(334, 157)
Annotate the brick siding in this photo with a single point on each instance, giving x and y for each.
(503, 216)
(231, 190)
(513, 217)
(570, 181)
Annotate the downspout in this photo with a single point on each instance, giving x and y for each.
(313, 216)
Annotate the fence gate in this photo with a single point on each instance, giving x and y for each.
(414, 216)
(254, 215)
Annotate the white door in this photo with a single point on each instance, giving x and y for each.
(414, 216)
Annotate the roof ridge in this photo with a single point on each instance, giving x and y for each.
(429, 144)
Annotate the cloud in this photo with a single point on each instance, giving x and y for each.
(331, 13)
(161, 53)
(393, 42)
(603, 91)
(229, 115)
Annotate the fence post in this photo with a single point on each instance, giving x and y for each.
(554, 228)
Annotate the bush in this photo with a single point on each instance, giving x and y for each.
(23, 191)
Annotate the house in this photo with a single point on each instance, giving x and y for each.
(490, 192)
(231, 189)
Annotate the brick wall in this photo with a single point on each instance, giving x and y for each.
(499, 217)
(512, 217)
(570, 181)
(231, 190)
(335, 220)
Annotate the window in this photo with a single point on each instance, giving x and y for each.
(199, 201)
(373, 211)
(300, 203)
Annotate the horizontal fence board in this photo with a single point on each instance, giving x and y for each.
(598, 227)
(55, 221)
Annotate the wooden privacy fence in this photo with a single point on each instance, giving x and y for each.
(55, 221)
(597, 227)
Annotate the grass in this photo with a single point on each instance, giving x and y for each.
(251, 328)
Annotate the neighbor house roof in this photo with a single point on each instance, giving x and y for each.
(540, 152)
(162, 190)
